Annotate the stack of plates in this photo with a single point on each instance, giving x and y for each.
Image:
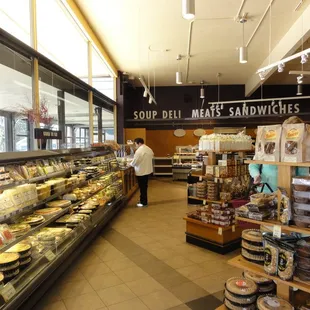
(265, 286)
(19, 229)
(32, 220)
(24, 251)
(273, 303)
(9, 265)
(252, 246)
(240, 294)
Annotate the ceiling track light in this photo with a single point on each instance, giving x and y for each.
(262, 75)
(284, 60)
(188, 9)
(145, 93)
(299, 90)
(303, 58)
(243, 50)
(281, 67)
(141, 79)
(150, 100)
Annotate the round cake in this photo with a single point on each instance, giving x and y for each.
(241, 286)
(253, 235)
(59, 203)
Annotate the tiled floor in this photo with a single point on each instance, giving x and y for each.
(142, 262)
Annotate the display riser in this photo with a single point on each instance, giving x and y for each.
(214, 247)
(29, 298)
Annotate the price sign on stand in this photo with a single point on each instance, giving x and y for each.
(50, 255)
(277, 231)
(8, 292)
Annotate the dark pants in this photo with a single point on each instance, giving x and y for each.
(143, 184)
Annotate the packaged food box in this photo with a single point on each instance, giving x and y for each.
(301, 221)
(301, 197)
(295, 143)
(221, 172)
(210, 170)
(301, 183)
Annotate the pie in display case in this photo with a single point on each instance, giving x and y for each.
(52, 204)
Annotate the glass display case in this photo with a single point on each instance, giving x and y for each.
(52, 205)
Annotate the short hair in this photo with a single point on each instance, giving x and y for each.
(139, 141)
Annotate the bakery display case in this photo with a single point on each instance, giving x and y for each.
(52, 205)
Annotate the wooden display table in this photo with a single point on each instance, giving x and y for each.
(285, 174)
(129, 179)
(212, 237)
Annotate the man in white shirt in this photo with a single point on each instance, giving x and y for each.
(143, 164)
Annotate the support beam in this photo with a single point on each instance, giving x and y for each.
(86, 25)
(285, 47)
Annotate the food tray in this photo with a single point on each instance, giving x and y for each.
(301, 221)
(234, 306)
(242, 300)
(241, 286)
(273, 303)
(254, 236)
(301, 183)
(303, 262)
(259, 280)
(303, 248)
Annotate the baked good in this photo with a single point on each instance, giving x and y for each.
(253, 236)
(19, 229)
(272, 303)
(20, 248)
(256, 278)
(241, 286)
(59, 203)
(242, 300)
(32, 220)
(234, 306)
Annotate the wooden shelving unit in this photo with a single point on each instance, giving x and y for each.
(129, 179)
(285, 173)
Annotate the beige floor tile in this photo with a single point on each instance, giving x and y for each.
(151, 246)
(94, 270)
(58, 305)
(74, 288)
(90, 301)
(116, 294)
(212, 267)
(111, 255)
(143, 259)
(88, 259)
(142, 240)
(160, 300)
(120, 264)
(52, 295)
(144, 286)
(180, 307)
(72, 274)
(178, 262)
(211, 283)
(133, 304)
(229, 273)
(169, 279)
(200, 257)
(188, 291)
(104, 281)
(131, 274)
(163, 254)
(192, 272)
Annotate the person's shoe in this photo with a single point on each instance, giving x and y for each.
(141, 205)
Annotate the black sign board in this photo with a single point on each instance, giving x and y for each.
(40, 133)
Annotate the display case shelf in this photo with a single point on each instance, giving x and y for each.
(277, 163)
(242, 263)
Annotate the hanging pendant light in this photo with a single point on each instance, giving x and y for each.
(202, 90)
(299, 90)
(145, 93)
(178, 75)
(243, 50)
(188, 9)
(150, 100)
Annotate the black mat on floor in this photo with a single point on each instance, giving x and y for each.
(205, 303)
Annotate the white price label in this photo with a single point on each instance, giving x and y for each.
(277, 231)
(50, 255)
(233, 228)
(205, 202)
(200, 178)
(8, 292)
(220, 231)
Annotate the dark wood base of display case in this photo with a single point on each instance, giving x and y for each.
(214, 247)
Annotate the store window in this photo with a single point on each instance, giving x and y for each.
(68, 109)
(15, 18)
(15, 100)
(60, 39)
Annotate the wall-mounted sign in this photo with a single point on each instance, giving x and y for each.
(246, 109)
(41, 133)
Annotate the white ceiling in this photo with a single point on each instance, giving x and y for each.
(128, 28)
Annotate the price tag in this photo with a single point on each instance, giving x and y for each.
(205, 202)
(50, 255)
(8, 292)
(220, 231)
(277, 231)
(200, 178)
(233, 228)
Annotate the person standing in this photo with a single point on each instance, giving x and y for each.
(143, 165)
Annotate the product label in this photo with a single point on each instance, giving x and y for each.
(282, 262)
(277, 231)
(272, 302)
(293, 134)
(7, 292)
(50, 255)
(268, 256)
(270, 135)
(241, 284)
